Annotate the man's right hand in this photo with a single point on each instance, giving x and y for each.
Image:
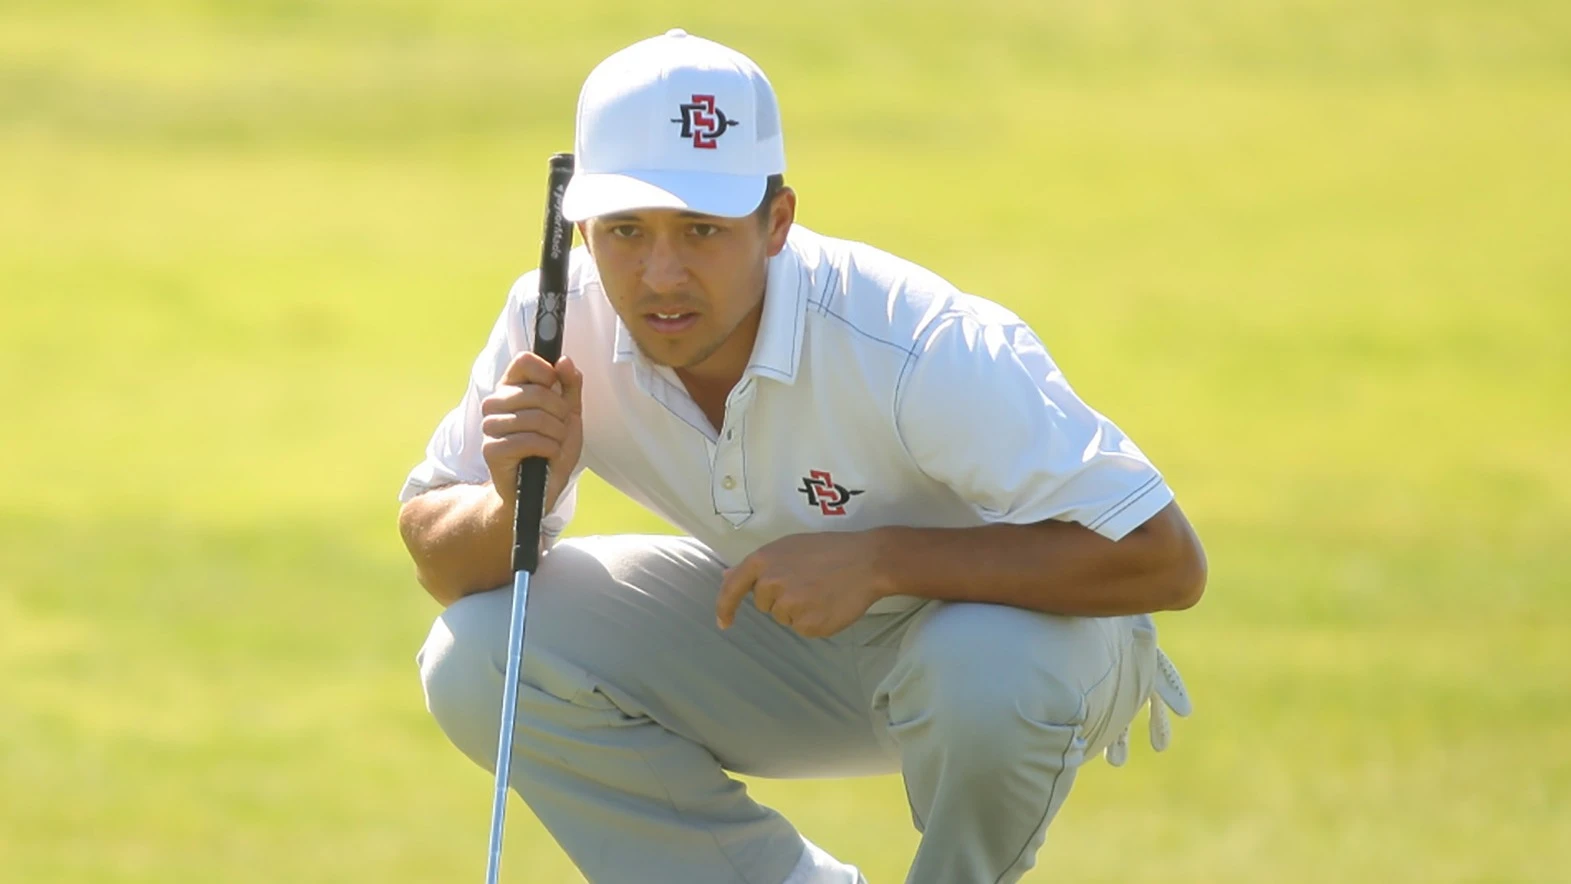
(536, 411)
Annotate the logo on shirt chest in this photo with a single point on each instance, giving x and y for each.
(825, 493)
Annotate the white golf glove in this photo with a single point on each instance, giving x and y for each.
(1167, 693)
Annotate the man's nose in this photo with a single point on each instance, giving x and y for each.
(664, 271)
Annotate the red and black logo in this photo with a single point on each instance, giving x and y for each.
(823, 492)
(703, 122)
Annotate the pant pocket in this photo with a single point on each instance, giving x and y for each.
(545, 673)
(1129, 684)
(1143, 653)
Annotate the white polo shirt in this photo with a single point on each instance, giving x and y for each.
(877, 394)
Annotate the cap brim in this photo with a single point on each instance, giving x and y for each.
(592, 194)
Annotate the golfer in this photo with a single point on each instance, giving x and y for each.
(908, 545)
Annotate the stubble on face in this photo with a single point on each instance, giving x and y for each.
(684, 352)
(719, 279)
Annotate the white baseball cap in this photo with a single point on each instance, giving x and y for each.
(674, 122)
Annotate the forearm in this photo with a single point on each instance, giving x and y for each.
(461, 540)
(1057, 567)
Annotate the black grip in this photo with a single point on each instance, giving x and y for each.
(550, 315)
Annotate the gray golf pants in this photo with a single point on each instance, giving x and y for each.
(634, 705)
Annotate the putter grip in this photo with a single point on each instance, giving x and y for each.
(550, 314)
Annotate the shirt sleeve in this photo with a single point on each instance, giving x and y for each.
(453, 455)
(984, 410)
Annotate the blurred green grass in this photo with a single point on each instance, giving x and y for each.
(1312, 255)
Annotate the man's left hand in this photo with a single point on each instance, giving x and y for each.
(816, 584)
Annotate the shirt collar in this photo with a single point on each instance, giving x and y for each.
(778, 350)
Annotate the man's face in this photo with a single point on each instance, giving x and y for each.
(682, 282)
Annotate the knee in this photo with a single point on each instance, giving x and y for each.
(968, 679)
(461, 668)
(463, 662)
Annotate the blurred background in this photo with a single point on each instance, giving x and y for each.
(1314, 255)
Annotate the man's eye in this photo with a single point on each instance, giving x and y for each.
(624, 231)
(704, 231)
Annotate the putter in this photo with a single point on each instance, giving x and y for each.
(529, 508)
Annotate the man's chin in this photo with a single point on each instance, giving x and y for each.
(686, 351)
(673, 356)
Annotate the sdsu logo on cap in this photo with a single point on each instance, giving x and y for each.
(703, 122)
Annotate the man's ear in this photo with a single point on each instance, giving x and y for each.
(583, 235)
(782, 214)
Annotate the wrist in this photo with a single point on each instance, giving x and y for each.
(500, 504)
(888, 561)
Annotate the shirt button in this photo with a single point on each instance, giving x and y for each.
(729, 434)
(728, 483)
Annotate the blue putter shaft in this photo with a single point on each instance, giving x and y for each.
(504, 750)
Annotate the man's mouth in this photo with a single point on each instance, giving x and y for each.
(671, 323)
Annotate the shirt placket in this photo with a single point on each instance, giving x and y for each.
(728, 458)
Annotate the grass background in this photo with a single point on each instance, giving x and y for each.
(1312, 255)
